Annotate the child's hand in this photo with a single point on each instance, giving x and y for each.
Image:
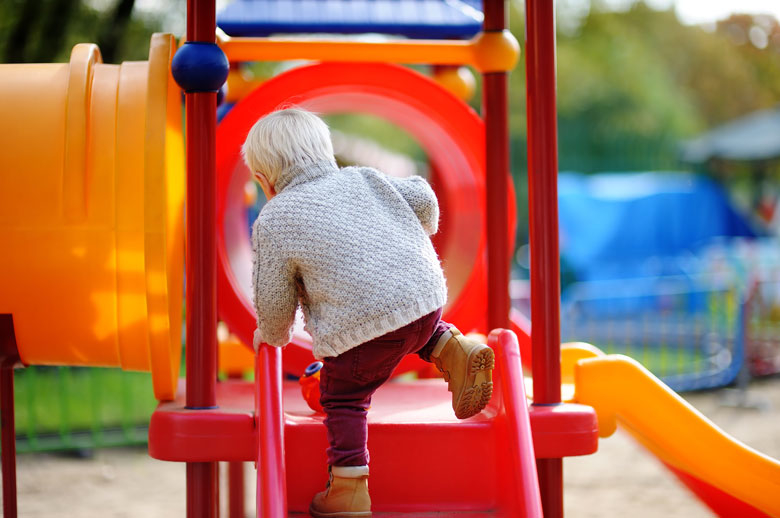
(256, 340)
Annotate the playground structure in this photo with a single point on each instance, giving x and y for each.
(267, 421)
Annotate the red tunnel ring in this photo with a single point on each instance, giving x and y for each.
(450, 132)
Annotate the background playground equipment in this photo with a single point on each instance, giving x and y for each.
(753, 266)
(762, 328)
(647, 224)
(91, 204)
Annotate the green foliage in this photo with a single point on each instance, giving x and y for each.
(45, 31)
(633, 83)
(616, 89)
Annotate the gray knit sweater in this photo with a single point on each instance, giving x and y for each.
(351, 247)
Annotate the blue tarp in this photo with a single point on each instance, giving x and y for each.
(638, 224)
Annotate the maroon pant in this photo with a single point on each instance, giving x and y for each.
(348, 381)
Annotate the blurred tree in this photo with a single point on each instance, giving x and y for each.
(54, 28)
(621, 105)
(19, 32)
(46, 30)
(113, 31)
(754, 41)
(633, 83)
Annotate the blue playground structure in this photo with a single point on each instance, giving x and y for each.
(429, 19)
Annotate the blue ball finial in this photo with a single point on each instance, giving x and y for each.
(199, 66)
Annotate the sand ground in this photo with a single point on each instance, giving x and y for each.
(620, 480)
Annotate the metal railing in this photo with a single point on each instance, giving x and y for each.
(686, 331)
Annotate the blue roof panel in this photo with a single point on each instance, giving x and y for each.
(435, 19)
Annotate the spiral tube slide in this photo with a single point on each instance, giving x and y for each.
(730, 477)
(91, 198)
(449, 131)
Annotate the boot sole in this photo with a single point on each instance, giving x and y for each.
(354, 514)
(478, 387)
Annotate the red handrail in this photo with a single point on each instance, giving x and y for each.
(515, 407)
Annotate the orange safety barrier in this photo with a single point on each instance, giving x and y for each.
(91, 218)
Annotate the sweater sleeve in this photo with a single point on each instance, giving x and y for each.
(421, 198)
(275, 294)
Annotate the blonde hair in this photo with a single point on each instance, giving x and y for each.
(286, 138)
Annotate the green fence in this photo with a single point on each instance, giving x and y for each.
(67, 408)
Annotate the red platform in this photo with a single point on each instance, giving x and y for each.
(423, 459)
(181, 435)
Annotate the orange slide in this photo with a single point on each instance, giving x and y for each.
(730, 477)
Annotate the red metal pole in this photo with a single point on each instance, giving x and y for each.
(202, 490)
(9, 357)
(543, 228)
(8, 440)
(201, 250)
(236, 490)
(201, 257)
(497, 181)
(235, 481)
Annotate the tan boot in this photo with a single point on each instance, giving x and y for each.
(468, 369)
(345, 496)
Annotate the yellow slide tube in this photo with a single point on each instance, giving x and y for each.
(623, 391)
(91, 197)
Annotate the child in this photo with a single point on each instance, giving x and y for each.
(351, 246)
